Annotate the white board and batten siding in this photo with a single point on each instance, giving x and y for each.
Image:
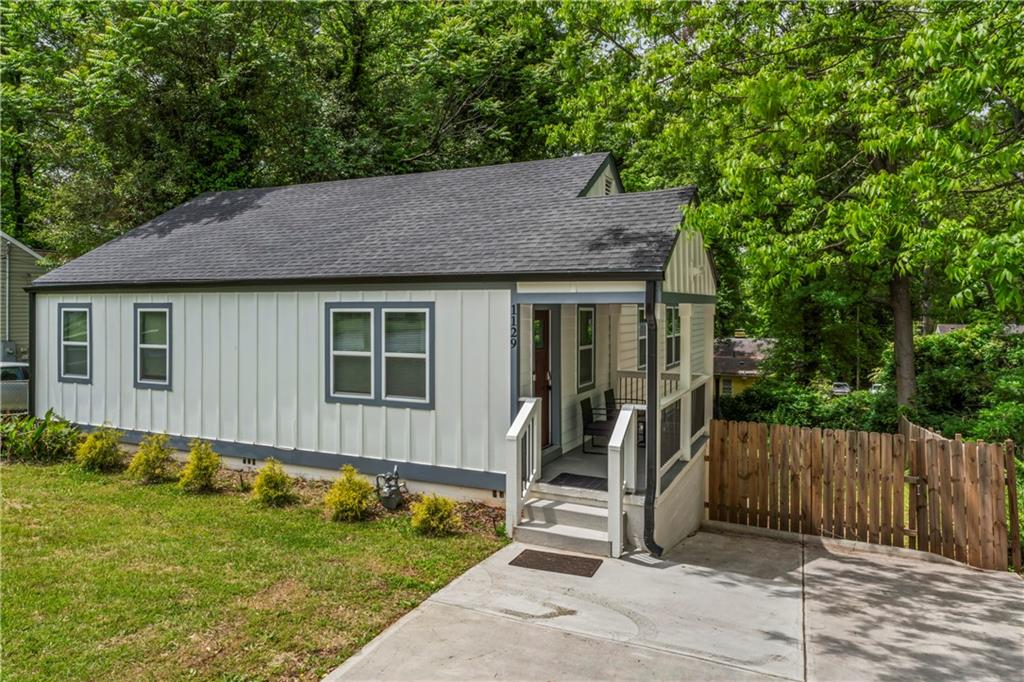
(689, 269)
(248, 367)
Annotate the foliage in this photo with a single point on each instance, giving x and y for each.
(151, 459)
(971, 381)
(201, 469)
(351, 497)
(101, 450)
(273, 487)
(775, 401)
(858, 150)
(27, 439)
(435, 515)
(87, 558)
(116, 112)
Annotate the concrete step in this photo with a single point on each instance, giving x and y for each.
(566, 513)
(567, 538)
(546, 491)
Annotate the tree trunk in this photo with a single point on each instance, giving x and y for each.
(903, 324)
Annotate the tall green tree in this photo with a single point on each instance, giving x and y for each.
(115, 112)
(833, 142)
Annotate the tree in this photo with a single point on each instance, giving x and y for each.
(872, 141)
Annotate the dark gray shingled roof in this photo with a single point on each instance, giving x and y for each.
(520, 219)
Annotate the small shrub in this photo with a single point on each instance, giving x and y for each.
(273, 487)
(27, 439)
(151, 459)
(101, 450)
(201, 469)
(350, 498)
(435, 515)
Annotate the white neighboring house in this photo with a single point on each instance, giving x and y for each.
(450, 322)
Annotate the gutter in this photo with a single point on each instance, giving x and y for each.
(651, 447)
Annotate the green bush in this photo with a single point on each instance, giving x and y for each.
(435, 515)
(151, 459)
(101, 450)
(351, 498)
(775, 401)
(200, 470)
(273, 487)
(27, 439)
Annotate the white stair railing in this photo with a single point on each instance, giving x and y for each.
(621, 449)
(524, 461)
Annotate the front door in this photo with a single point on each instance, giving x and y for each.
(542, 369)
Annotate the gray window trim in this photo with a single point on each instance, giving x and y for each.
(148, 384)
(61, 377)
(580, 386)
(377, 313)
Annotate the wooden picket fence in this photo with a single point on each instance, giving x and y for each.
(913, 489)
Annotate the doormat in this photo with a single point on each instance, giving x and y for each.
(582, 566)
(580, 481)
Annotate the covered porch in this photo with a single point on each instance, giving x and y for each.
(588, 361)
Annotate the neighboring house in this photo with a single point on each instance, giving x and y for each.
(946, 328)
(738, 363)
(19, 265)
(410, 320)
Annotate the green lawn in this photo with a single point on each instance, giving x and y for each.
(105, 579)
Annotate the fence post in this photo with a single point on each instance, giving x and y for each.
(1011, 490)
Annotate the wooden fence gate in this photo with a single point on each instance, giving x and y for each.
(913, 489)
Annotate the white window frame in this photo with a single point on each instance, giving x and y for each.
(139, 346)
(641, 335)
(669, 337)
(419, 356)
(354, 353)
(64, 375)
(580, 386)
(726, 385)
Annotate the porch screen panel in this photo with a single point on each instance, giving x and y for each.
(697, 409)
(671, 432)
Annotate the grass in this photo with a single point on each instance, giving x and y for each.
(106, 579)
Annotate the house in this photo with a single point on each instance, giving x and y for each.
(738, 363)
(19, 265)
(474, 327)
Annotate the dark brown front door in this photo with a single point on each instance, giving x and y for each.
(542, 369)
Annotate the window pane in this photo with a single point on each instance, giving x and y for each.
(76, 325)
(352, 374)
(406, 378)
(586, 327)
(153, 327)
(153, 364)
(586, 366)
(352, 331)
(76, 360)
(675, 349)
(405, 332)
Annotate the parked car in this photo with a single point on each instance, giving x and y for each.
(13, 387)
(877, 388)
(841, 388)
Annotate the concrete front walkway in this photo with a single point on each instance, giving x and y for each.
(717, 607)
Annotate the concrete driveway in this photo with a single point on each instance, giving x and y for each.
(717, 607)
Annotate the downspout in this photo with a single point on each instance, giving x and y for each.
(651, 435)
(32, 353)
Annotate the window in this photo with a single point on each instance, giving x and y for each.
(153, 345)
(585, 347)
(405, 355)
(75, 352)
(726, 385)
(641, 338)
(672, 336)
(380, 354)
(351, 368)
